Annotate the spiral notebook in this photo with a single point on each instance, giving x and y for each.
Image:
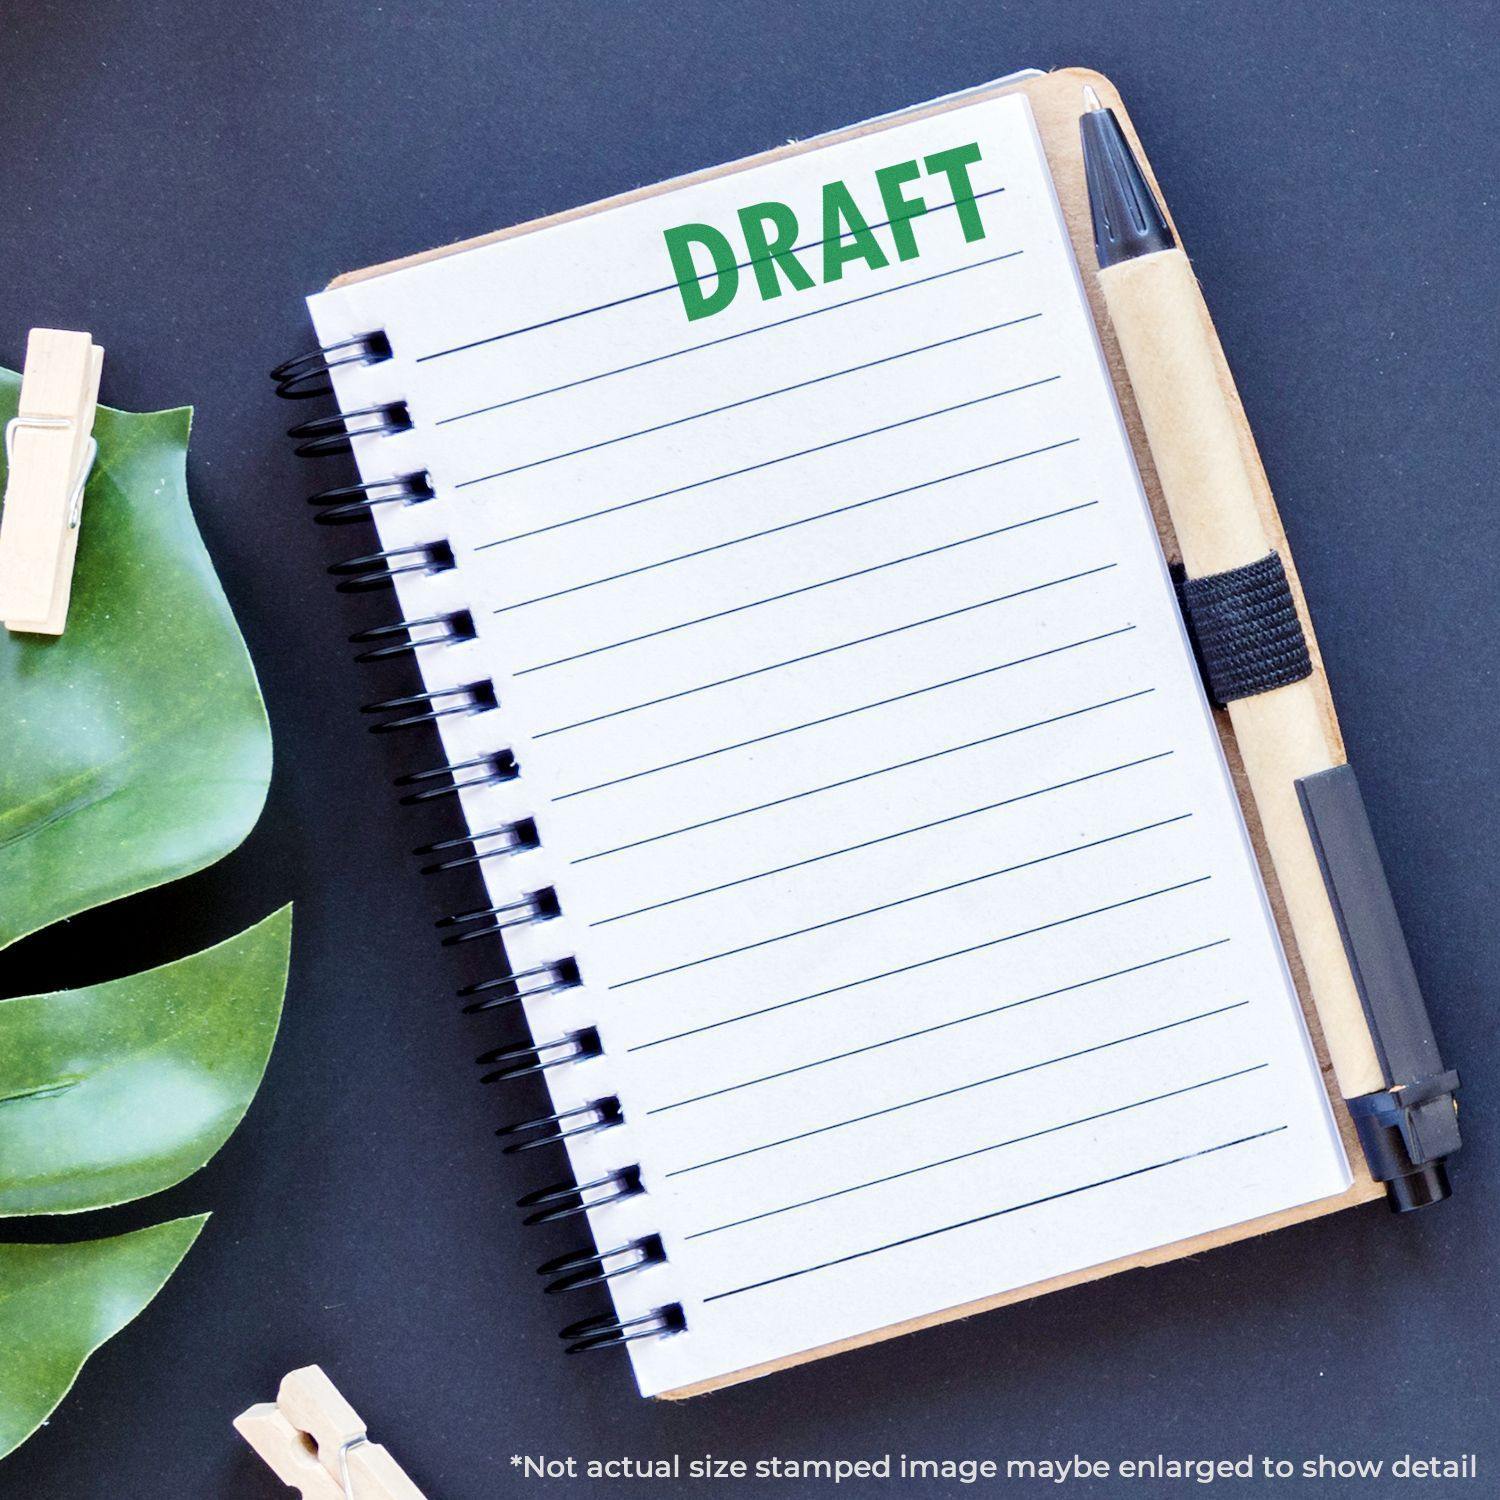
(879, 902)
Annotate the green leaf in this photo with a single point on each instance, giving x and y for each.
(120, 1089)
(58, 1303)
(134, 748)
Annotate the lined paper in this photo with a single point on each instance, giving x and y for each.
(908, 888)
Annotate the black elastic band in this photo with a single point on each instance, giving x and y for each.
(1244, 628)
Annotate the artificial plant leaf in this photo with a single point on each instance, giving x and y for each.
(134, 747)
(120, 1089)
(58, 1303)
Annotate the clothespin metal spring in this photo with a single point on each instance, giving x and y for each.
(85, 468)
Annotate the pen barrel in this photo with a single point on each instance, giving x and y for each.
(1190, 412)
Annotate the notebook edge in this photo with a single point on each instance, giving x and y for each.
(953, 100)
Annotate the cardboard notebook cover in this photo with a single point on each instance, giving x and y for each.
(1057, 102)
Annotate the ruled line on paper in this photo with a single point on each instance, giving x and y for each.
(760, 739)
(921, 1031)
(770, 463)
(870, 911)
(900, 765)
(947, 1161)
(809, 588)
(912, 1239)
(718, 411)
(793, 661)
(962, 1088)
(728, 338)
(923, 963)
(755, 536)
(670, 286)
(885, 838)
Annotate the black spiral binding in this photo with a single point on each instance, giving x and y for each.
(336, 434)
(379, 570)
(605, 1332)
(310, 375)
(592, 1267)
(403, 638)
(354, 502)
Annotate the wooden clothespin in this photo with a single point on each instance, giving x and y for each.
(314, 1440)
(50, 449)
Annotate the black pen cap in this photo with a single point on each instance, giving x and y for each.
(1127, 219)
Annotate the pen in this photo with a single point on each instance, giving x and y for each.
(1363, 987)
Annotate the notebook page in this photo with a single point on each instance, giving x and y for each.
(904, 876)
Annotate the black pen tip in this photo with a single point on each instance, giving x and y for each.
(1128, 221)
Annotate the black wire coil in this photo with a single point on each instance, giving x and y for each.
(311, 375)
(425, 708)
(566, 1200)
(308, 374)
(489, 770)
(590, 1267)
(561, 1125)
(490, 921)
(380, 570)
(402, 638)
(518, 1059)
(523, 984)
(354, 502)
(514, 838)
(606, 1331)
(324, 435)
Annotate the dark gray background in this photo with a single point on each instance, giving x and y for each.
(176, 177)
